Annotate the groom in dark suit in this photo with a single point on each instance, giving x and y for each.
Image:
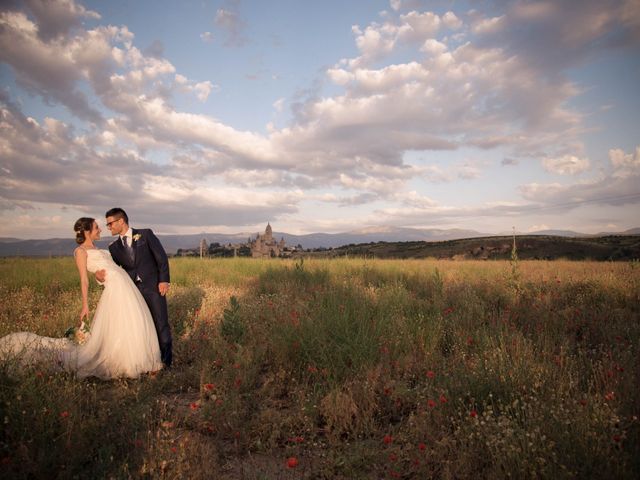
(140, 253)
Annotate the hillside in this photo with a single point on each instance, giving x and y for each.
(387, 243)
(529, 247)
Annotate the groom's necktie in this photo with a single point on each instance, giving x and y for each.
(128, 248)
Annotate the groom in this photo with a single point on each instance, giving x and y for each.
(140, 253)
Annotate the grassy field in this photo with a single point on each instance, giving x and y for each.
(342, 368)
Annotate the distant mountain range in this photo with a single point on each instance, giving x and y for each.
(65, 246)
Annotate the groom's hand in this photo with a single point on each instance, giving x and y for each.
(101, 275)
(163, 288)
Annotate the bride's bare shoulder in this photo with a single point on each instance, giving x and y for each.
(80, 251)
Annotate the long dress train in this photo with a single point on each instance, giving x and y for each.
(123, 340)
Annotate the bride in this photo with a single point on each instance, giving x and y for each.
(123, 340)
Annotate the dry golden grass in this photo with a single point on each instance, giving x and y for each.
(356, 368)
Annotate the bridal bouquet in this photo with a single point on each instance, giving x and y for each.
(79, 334)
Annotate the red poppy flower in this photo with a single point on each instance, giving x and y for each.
(209, 386)
(422, 446)
(393, 457)
(64, 414)
(610, 396)
(473, 414)
(443, 399)
(387, 439)
(193, 406)
(431, 403)
(292, 462)
(430, 374)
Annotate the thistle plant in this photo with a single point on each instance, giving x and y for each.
(514, 274)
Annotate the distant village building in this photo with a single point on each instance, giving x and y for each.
(265, 246)
(262, 246)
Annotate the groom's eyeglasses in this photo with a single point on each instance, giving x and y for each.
(112, 222)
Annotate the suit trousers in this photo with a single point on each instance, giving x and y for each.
(158, 307)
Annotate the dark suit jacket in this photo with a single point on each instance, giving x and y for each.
(150, 264)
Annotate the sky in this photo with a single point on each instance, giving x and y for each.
(332, 116)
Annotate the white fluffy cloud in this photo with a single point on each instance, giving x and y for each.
(618, 188)
(625, 164)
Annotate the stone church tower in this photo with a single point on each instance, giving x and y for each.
(264, 246)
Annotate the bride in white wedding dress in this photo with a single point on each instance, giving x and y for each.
(123, 340)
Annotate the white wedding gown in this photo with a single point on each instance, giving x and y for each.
(123, 340)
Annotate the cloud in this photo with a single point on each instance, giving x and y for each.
(419, 82)
(566, 164)
(544, 33)
(207, 37)
(556, 198)
(231, 23)
(50, 163)
(452, 97)
(278, 105)
(47, 69)
(625, 164)
(156, 49)
(490, 25)
(618, 188)
(538, 228)
(377, 41)
(57, 18)
(201, 89)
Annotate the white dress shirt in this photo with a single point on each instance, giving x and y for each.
(129, 236)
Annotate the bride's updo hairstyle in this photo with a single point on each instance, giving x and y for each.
(84, 224)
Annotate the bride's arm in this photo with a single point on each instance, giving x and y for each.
(81, 263)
